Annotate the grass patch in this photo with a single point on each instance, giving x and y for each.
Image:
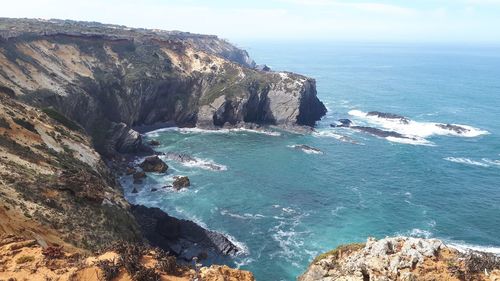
(25, 259)
(342, 249)
(66, 122)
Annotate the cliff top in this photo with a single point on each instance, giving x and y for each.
(13, 27)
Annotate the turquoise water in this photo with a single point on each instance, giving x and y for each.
(285, 206)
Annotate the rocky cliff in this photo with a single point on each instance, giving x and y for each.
(110, 78)
(402, 258)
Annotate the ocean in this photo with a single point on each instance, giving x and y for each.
(284, 205)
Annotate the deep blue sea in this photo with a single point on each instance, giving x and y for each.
(285, 206)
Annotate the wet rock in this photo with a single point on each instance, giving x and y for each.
(154, 164)
(183, 238)
(154, 189)
(181, 182)
(454, 128)
(166, 186)
(385, 115)
(343, 123)
(307, 148)
(134, 190)
(154, 143)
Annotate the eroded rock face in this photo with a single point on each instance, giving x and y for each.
(108, 79)
(400, 258)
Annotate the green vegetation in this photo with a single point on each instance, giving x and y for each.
(25, 259)
(52, 113)
(340, 250)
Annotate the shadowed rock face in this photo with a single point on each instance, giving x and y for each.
(101, 76)
(183, 238)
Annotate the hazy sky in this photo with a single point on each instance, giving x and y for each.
(340, 20)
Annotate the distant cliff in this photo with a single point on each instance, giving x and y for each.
(110, 78)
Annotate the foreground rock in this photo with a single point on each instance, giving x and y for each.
(153, 164)
(183, 238)
(402, 258)
(24, 259)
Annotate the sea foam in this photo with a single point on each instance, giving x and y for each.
(416, 129)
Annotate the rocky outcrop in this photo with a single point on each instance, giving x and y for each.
(153, 164)
(183, 238)
(224, 273)
(110, 78)
(402, 258)
(181, 182)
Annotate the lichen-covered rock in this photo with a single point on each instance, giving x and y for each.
(401, 258)
(154, 164)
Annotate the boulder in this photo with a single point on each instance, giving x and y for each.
(154, 164)
(181, 182)
(154, 143)
(129, 171)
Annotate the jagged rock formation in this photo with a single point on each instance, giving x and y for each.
(402, 258)
(101, 76)
(183, 238)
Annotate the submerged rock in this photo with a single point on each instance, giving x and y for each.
(307, 148)
(154, 143)
(154, 164)
(181, 182)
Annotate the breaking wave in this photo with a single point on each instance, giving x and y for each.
(416, 129)
(467, 161)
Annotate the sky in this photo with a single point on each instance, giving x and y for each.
(466, 21)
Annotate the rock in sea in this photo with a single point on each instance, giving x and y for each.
(181, 182)
(154, 164)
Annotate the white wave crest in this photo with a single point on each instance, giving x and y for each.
(245, 216)
(463, 247)
(206, 164)
(467, 161)
(491, 162)
(225, 131)
(416, 129)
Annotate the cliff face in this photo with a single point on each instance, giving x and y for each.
(102, 76)
(402, 258)
(54, 185)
